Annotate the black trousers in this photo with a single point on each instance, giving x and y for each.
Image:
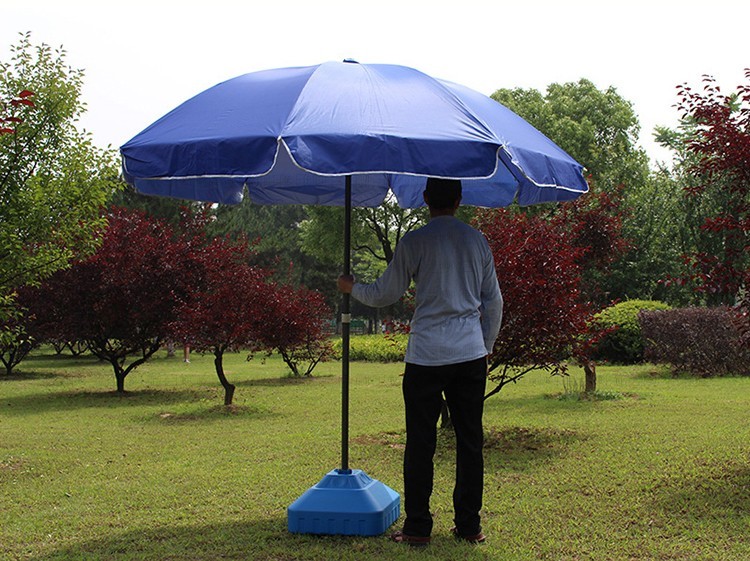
(463, 385)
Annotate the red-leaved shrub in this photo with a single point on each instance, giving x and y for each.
(700, 341)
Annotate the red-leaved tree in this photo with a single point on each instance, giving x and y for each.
(48, 306)
(719, 140)
(550, 265)
(233, 305)
(228, 306)
(294, 326)
(544, 316)
(593, 225)
(122, 300)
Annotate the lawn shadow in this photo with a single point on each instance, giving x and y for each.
(520, 449)
(514, 448)
(258, 540)
(283, 381)
(20, 374)
(236, 540)
(662, 372)
(40, 367)
(720, 492)
(73, 400)
(559, 402)
(202, 412)
(52, 360)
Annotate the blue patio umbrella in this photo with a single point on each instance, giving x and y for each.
(347, 134)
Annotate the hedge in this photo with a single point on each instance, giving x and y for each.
(374, 348)
(700, 341)
(625, 343)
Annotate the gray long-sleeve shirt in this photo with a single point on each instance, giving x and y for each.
(459, 306)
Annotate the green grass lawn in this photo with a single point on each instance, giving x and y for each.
(166, 473)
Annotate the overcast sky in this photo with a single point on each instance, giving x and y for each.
(142, 58)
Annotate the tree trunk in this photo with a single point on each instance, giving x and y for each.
(228, 388)
(590, 369)
(120, 377)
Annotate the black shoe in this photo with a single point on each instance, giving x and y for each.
(475, 538)
(414, 541)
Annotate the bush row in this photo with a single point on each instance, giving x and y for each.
(700, 341)
(375, 348)
(624, 344)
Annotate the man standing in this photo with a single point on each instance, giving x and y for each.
(455, 324)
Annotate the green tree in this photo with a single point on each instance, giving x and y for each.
(717, 135)
(658, 224)
(53, 180)
(375, 234)
(598, 128)
(165, 208)
(322, 239)
(274, 232)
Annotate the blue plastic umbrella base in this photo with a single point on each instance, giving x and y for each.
(345, 502)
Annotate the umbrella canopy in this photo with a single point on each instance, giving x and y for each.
(288, 135)
(344, 133)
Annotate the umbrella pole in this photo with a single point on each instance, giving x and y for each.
(346, 501)
(345, 330)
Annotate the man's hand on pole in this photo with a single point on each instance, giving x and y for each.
(345, 283)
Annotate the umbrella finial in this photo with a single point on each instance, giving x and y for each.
(351, 60)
